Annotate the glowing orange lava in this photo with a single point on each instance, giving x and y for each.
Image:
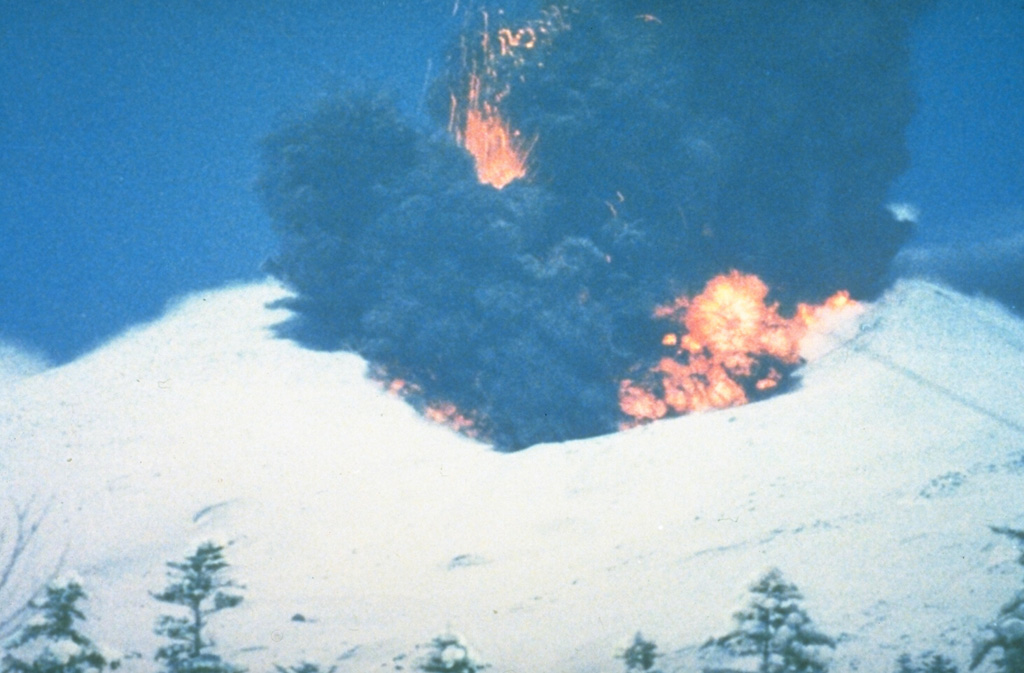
(729, 342)
(448, 414)
(441, 412)
(500, 152)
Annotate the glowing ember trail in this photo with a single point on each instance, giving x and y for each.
(727, 345)
(500, 152)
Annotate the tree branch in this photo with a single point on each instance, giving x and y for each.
(15, 544)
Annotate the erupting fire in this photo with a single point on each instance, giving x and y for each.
(443, 413)
(728, 344)
(448, 414)
(499, 151)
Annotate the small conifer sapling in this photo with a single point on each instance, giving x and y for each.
(1006, 632)
(640, 655)
(450, 654)
(929, 662)
(304, 667)
(199, 584)
(50, 641)
(775, 628)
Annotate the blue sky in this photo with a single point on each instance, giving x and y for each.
(130, 131)
(967, 142)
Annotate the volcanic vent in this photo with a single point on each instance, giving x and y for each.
(589, 163)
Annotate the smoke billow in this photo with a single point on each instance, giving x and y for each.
(667, 142)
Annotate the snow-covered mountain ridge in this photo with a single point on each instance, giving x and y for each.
(872, 486)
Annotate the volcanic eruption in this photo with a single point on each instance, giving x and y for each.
(592, 170)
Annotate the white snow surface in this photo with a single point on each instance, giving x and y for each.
(871, 486)
(17, 362)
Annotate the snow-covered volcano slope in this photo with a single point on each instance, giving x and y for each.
(871, 486)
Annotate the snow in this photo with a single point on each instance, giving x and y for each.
(63, 651)
(66, 581)
(871, 486)
(17, 362)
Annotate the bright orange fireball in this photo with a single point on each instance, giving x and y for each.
(729, 341)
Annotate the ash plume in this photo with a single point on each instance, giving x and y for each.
(667, 143)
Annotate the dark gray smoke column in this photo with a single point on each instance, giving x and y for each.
(674, 141)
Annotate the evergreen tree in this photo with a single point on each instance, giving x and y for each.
(640, 654)
(1006, 632)
(199, 585)
(928, 662)
(775, 628)
(450, 654)
(49, 642)
(304, 667)
(1015, 535)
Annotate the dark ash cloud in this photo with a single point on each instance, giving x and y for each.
(674, 141)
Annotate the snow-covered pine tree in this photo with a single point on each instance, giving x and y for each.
(929, 662)
(304, 667)
(1015, 535)
(1006, 631)
(640, 654)
(775, 628)
(50, 642)
(450, 654)
(198, 584)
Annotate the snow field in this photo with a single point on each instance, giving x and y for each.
(871, 486)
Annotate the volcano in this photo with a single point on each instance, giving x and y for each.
(585, 163)
(872, 486)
